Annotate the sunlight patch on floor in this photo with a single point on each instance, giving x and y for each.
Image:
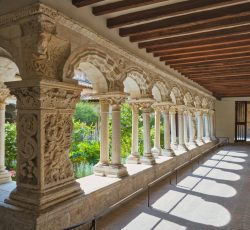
(196, 209)
(142, 221)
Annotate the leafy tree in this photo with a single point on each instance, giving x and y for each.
(86, 112)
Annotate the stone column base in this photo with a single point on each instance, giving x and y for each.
(206, 139)
(174, 146)
(182, 147)
(100, 169)
(38, 202)
(116, 170)
(5, 177)
(168, 153)
(199, 142)
(148, 159)
(133, 159)
(156, 151)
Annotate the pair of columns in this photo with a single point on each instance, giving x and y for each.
(114, 168)
(147, 157)
(4, 174)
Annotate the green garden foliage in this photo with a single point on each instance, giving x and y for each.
(10, 146)
(86, 112)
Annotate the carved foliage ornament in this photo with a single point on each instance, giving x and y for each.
(34, 97)
(27, 148)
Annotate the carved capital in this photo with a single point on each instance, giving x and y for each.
(44, 94)
(4, 93)
(43, 52)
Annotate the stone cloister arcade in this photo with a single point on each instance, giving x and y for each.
(49, 49)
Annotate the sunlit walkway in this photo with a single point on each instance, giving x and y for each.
(215, 195)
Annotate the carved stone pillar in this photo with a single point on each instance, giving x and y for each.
(199, 128)
(157, 141)
(167, 151)
(134, 157)
(44, 126)
(100, 168)
(207, 136)
(148, 157)
(4, 174)
(116, 169)
(181, 145)
(173, 128)
(192, 129)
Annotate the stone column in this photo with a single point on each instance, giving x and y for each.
(199, 128)
(173, 128)
(134, 157)
(116, 169)
(101, 167)
(157, 141)
(45, 174)
(167, 151)
(212, 122)
(192, 129)
(148, 157)
(181, 145)
(185, 127)
(4, 174)
(207, 136)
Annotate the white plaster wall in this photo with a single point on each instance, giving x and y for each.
(225, 116)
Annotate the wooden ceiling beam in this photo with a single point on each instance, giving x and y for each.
(114, 7)
(185, 20)
(230, 75)
(167, 11)
(199, 27)
(205, 59)
(244, 60)
(81, 3)
(219, 65)
(215, 71)
(212, 53)
(214, 48)
(190, 45)
(201, 37)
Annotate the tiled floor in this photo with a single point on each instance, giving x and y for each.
(214, 195)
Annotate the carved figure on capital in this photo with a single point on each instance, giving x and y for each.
(43, 52)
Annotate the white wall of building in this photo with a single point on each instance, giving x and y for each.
(225, 116)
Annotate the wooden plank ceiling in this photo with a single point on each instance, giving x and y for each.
(207, 41)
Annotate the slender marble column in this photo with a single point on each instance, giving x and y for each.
(192, 129)
(185, 127)
(199, 128)
(207, 136)
(181, 145)
(116, 169)
(167, 151)
(157, 141)
(148, 157)
(4, 174)
(212, 125)
(99, 169)
(173, 128)
(134, 157)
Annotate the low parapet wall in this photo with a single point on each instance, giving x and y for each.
(95, 202)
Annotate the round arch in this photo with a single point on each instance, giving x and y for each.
(95, 65)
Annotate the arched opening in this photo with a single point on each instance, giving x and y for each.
(9, 71)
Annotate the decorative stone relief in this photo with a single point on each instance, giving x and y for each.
(57, 131)
(28, 148)
(43, 53)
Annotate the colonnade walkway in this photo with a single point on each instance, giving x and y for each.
(211, 194)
